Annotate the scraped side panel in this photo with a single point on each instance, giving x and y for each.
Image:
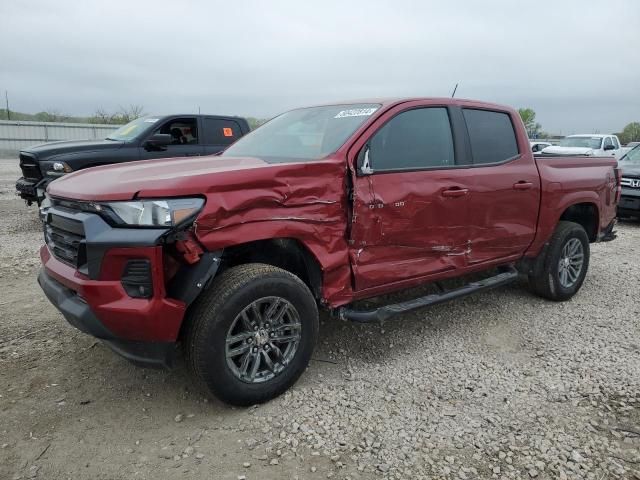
(404, 227)
(305, 202)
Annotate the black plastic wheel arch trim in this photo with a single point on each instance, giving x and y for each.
(191, 280)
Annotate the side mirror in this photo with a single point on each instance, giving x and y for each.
(364, 161)
(609, 147)
(158, 141)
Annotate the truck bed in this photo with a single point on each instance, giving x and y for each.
(574, 179)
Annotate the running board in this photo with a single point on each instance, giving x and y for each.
(508, 275)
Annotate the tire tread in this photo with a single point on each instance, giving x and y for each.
(542, 284)
(204, 312)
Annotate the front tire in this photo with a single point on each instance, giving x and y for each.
(252, 333)
(565, 264)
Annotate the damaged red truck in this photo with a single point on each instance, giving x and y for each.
(230, 256)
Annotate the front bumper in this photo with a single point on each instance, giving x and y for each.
(28, 189)
(155, 319)
(629, 204)
(82, 270)
(86, 275)
(80, 315)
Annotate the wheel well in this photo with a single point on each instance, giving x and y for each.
(585, 214)
(286, 253)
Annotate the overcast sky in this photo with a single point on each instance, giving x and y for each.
(576, 63)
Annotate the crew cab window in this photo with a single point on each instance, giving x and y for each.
(491, 134)
(183, 131)
(220, 131)
(608, 142)
(615, 142)
(414, 139)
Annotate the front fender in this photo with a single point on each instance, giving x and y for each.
(325, 240)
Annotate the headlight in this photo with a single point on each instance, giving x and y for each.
(44, 206)
(62, 167)
(151, 213)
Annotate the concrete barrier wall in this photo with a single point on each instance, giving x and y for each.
(15, 135)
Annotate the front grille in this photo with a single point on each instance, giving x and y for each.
(630, 182)
(66, 246)
(30, 167)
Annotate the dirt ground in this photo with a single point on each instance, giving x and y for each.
(480, 381)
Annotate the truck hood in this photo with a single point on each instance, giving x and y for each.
(240, 193)
(193, 176)
(46, 151)
(567, 150)
(171, 177)
(631, 169)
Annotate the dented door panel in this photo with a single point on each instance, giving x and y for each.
(405, 227)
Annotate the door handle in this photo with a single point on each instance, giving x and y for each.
(455, 192)
(522, 185)
(193, 154)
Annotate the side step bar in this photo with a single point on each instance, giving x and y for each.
(384, 313)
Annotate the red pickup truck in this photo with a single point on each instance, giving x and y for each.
(231, 255)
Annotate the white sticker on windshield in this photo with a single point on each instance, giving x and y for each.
(151, 120)
(356, 112)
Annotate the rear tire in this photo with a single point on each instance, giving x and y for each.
(252, 333)
(565, 264)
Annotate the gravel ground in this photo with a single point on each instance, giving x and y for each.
(498, 385)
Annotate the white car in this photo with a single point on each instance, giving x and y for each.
(592, 145)
(537, 147)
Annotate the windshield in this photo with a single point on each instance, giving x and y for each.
(584, 142)
(304, 134)
(632, 156)
(132, 129)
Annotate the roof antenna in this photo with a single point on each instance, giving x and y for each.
(454, 91)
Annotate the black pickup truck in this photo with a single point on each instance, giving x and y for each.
(144, 138)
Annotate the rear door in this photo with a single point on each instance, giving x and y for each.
(410, 198)
(505, 191)
(218, 133)
(185, 142)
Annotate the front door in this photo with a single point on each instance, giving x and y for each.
(410, 200)
(185, 140)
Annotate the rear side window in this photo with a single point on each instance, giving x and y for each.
(220, 131)
(492, 136)
(414, 139)
(615, 142)
(608, 142)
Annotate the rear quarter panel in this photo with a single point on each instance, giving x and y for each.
(568, 181)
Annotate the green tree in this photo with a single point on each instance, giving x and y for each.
(631, 133)
(52, 115)
(533, 128)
